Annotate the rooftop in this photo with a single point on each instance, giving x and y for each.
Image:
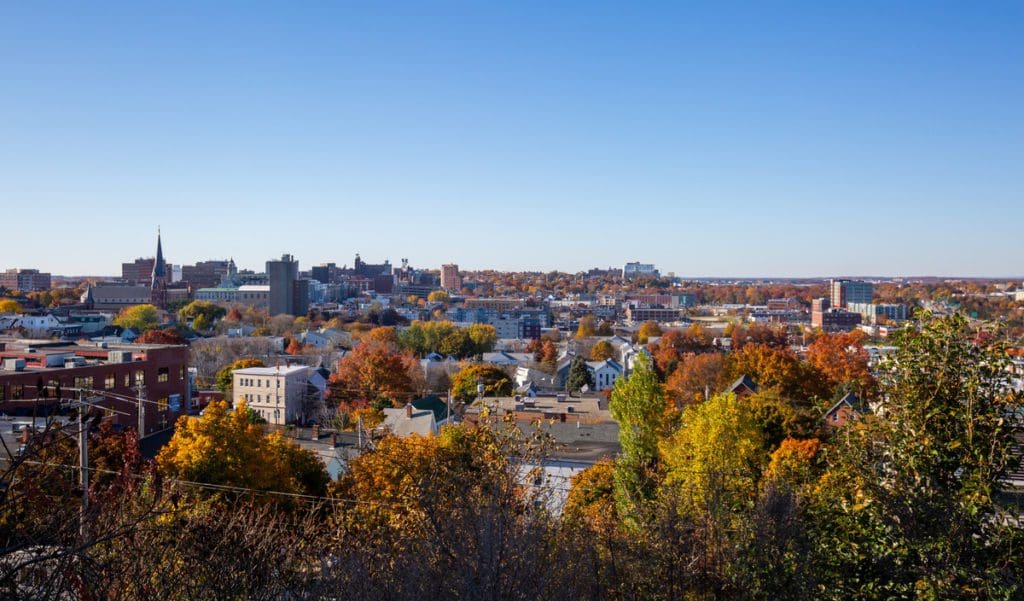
(271, 371)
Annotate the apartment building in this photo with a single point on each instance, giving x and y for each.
(279, 395)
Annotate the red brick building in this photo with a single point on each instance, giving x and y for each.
(35, 372)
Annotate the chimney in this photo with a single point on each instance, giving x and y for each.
(408, 410)
(25, 435)
(316, 431)
(334, 439)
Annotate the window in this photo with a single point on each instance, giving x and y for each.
(162, 404)
(3, 392)
(109, 381)
(140, 377)
(127, 380)
(17, 392)
(181, 373)
(83, 383)
(162, 374)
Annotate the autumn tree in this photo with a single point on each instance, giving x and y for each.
(586, 327)
(772, 367)
(648, 329)
(495, 381)
(591, 498)
(225, 379)
(294, 347)
(140, 318)
(718, 452)
(579, 375)
(9, 306)
(372, 372)
(841, 361)
(602, 350)
(223, 447)
(638, 405)
(165, 336)
(210, 312)
(234, 315)
(439, 296)
(697, 378)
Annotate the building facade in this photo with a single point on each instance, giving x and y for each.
(277, 394)
(450, 278)
(844, 292)
(38, 376)
(25, 280)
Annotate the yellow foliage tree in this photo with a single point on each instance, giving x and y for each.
(223, 447)
(9, 306)
(140, 318)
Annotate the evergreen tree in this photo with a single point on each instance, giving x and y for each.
(579, 375)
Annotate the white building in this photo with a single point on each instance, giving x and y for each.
(277, 394)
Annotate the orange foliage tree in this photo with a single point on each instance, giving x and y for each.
(841, 360)
(372, 372)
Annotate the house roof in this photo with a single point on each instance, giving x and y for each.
(848, 399)
(743, 381)
(400, 424)
(596, 365)
(434, 404)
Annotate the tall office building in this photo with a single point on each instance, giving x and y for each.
(844, 292)
(450, 279)
(25, 280)
(282, 276)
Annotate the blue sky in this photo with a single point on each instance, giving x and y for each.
(769, 138)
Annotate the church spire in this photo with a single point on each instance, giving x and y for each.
(159, 267)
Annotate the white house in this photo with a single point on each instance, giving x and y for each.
(604, 373)
(278, 394)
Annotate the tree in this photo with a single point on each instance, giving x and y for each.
(200, 323)
(772, 367)
(696, 379)
(602, 350)
(9, 306)
(210, 312)
(605, 328)
(165, 336)
(718, 452)
(638, 405)
(483, 338)
(294, 347)
(439, 296)
(579, 375)
(795, 464)
(591, 496)
(234, 315)
(841, 360)
(586, 327)
(140, 318)
(648, 329)
(225, 379)
(223, 447)
(496, 382)
(909, 494)
(373, 372)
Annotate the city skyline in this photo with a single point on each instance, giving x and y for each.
(733, 141)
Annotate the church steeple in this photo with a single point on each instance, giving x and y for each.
(159, 267)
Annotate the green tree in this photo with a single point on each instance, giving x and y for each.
(579, 375)
(907, 505)
(210, 312)
(140, 318)
(638, 405)
(483, 337)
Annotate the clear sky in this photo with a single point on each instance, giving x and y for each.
(769, 138)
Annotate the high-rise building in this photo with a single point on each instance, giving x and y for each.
(844, 292)
(637, 270)
(282, 276)
(207, 274)
(25, 280)
(450, 278)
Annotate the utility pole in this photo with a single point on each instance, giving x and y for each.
(83, 453)
(141, 388)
